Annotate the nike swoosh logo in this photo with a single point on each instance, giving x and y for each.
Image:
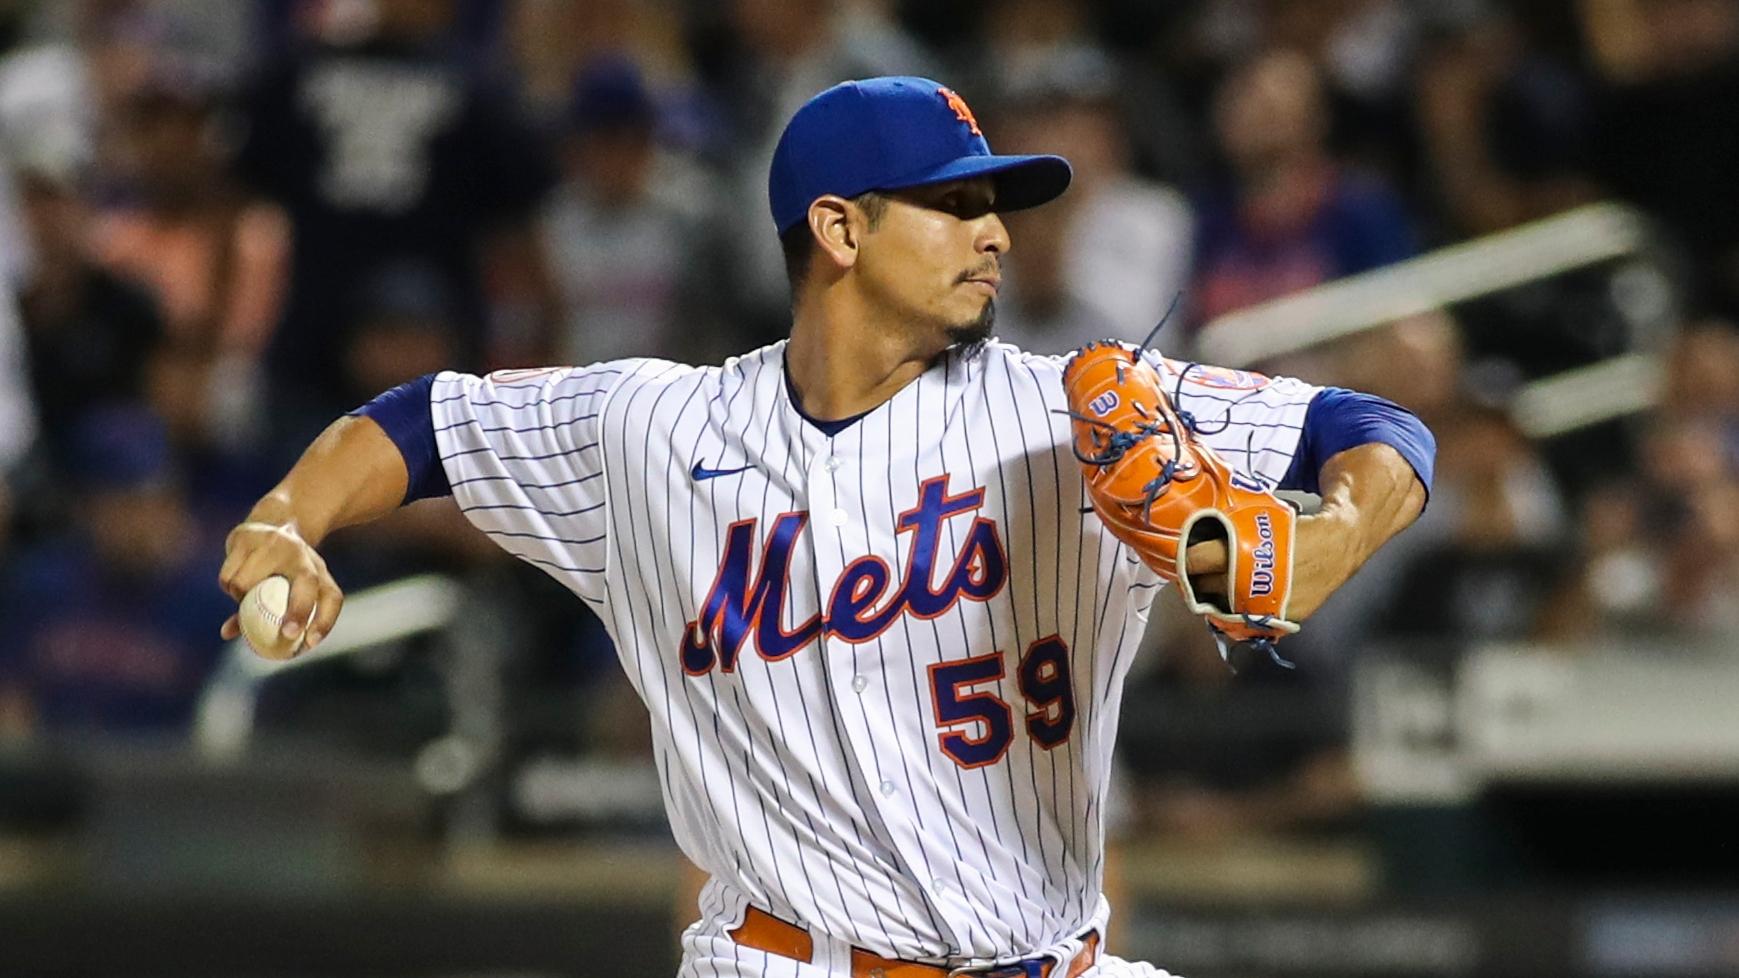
(701, 473)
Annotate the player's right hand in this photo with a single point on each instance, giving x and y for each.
(254, 551)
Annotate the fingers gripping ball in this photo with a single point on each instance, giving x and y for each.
(262, 619)
(1159, 489)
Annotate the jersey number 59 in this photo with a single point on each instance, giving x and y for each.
(977, 727)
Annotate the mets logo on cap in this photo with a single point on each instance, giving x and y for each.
(962, 111)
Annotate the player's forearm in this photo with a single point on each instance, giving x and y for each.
(1369, 494)
(352, 473)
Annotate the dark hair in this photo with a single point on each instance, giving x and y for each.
(799, 245)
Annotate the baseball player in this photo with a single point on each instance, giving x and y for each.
(855, 575)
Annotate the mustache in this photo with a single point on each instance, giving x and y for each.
(991, 267)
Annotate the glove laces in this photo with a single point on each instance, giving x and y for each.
(1265, 644)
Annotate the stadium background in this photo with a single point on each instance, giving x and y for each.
(1512, 746)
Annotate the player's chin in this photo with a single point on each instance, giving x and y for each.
(974, 331)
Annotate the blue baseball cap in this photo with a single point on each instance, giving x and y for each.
(894, 132)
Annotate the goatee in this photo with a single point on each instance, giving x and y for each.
(970, 338)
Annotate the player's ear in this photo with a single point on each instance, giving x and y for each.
(831, 221)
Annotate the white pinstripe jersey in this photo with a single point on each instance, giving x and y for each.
(884, 668)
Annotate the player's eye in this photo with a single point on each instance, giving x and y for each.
(962, 202)
(963, 205)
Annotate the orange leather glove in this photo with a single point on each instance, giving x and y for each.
(1159, 489)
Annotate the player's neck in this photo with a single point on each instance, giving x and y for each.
(843, 365)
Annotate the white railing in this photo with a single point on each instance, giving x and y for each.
(1575, 239)
(224, 721)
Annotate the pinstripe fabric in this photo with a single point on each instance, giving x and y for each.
(820, 779)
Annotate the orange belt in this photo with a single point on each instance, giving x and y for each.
(765, 932)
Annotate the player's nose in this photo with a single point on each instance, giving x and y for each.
(992, 235)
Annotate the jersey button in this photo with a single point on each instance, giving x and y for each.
(840, 517)
(888, 789)
(859, 684)
(832, 464)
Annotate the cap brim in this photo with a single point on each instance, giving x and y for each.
(1021, 181)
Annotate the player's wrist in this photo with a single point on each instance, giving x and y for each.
(279, 511)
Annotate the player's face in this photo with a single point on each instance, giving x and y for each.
(935, 258)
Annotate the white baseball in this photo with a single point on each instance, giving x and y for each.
(262, 614)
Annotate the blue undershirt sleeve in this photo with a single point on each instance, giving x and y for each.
(1339, 419)
(405, 415)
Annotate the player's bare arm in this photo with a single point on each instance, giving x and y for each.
(352, 473)
(1369, 494)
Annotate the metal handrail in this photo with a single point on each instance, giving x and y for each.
(224, 720)
(1543, 408)
(1540, 249)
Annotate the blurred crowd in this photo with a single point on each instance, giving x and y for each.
(223, 224)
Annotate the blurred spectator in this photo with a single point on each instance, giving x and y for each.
(383, 150)
(1292, 217)
(1506, 127)
(406, 327)
(1667, 123)
(1703, 585)
(1364, 46)
(1694, 501)
(1702, 380)
(622, 240)
(60, 96)
(1365, 51)
(217, 33)
(553, 39)
(1107, 258)
(48, 100)
(90, 337)
(1617, 586)
(1023, 39)
(1660, 552)
(1633, 41)
(114, 628)
(215, 264)
(546, 46)
(1493, 576)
